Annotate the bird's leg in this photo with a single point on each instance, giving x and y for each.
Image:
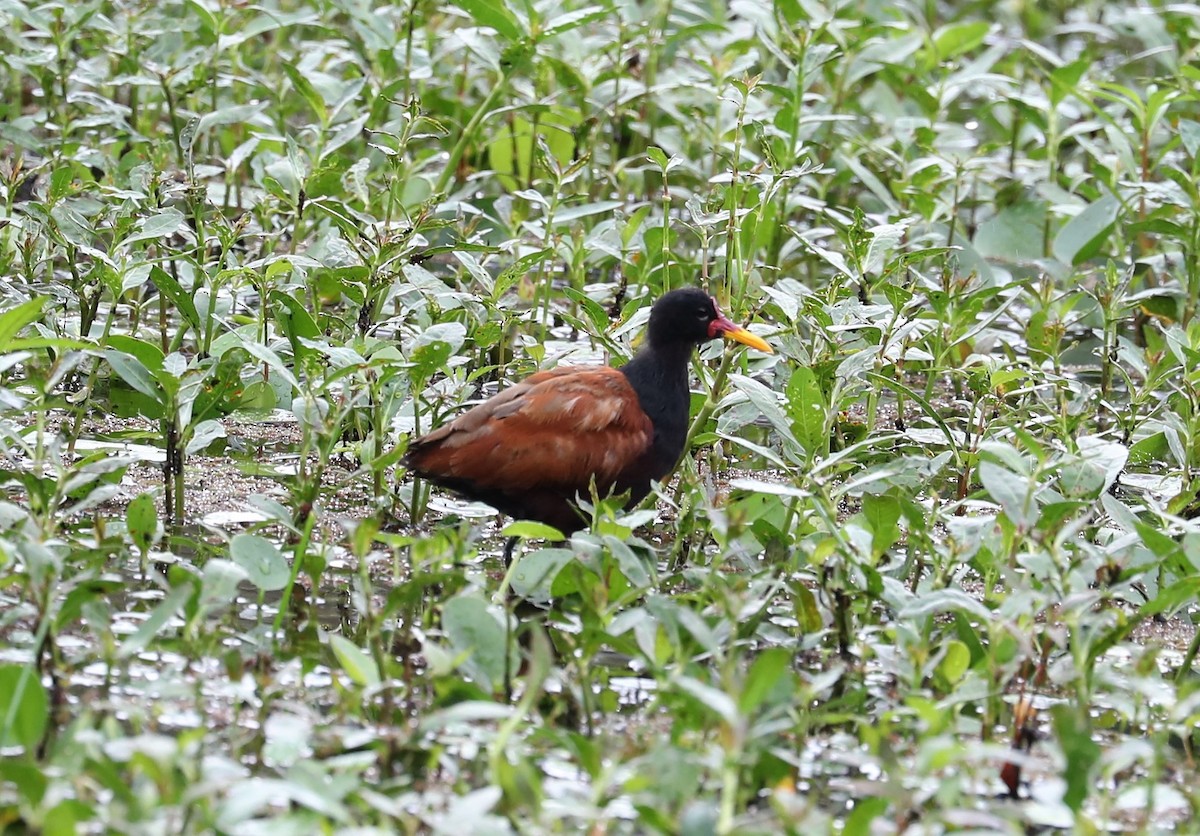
(508, 617)
(509, 545)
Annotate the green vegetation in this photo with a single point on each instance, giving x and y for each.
(246, 250)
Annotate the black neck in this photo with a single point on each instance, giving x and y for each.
(659, 375)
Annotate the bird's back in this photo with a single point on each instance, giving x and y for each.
(531, 449)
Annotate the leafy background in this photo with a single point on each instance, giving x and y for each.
(931, 566)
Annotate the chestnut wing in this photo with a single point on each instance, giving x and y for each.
(556, 429)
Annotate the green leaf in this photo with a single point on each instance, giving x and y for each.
(714, 699)
(515, 151)
(17, 317)
(27, 778)
(297, 324)
(941, 601)
(160, 225)
(477, 633)
(954, 664)
(149, 355)
(136, 375)
(634, 568)
(1013, 492)
(218, 589)
(882, 512)
(434, 347)
(1174, 596)
(770, 670)
(1084, 235)
(658, 157)
(533, 577)
(530, 530)
(141, 521)
(865, 811)
(167, 609)
(957, 38)
(1015, 234)
(573, 20)
(884, 239)
(204, 434)
(24, 707)
(1189, 133)
(307, 92)
(808, 612)
(584, 210)
(229, 115)
(180, 298)
(360, 667)
(968, 636)
(1065, 79)
(1074, 733)
(807, 410)
(262, 561)
(208, 21)
(496, 14)
(509, 276)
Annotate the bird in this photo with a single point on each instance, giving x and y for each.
(532, 449)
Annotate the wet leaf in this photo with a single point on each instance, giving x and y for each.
(807, 410)
(264, 564)
(473, 630)
(435, 345)
(534, 575)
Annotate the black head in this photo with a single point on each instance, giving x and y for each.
(690, 316)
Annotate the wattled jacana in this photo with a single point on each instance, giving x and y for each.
(530, 450)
